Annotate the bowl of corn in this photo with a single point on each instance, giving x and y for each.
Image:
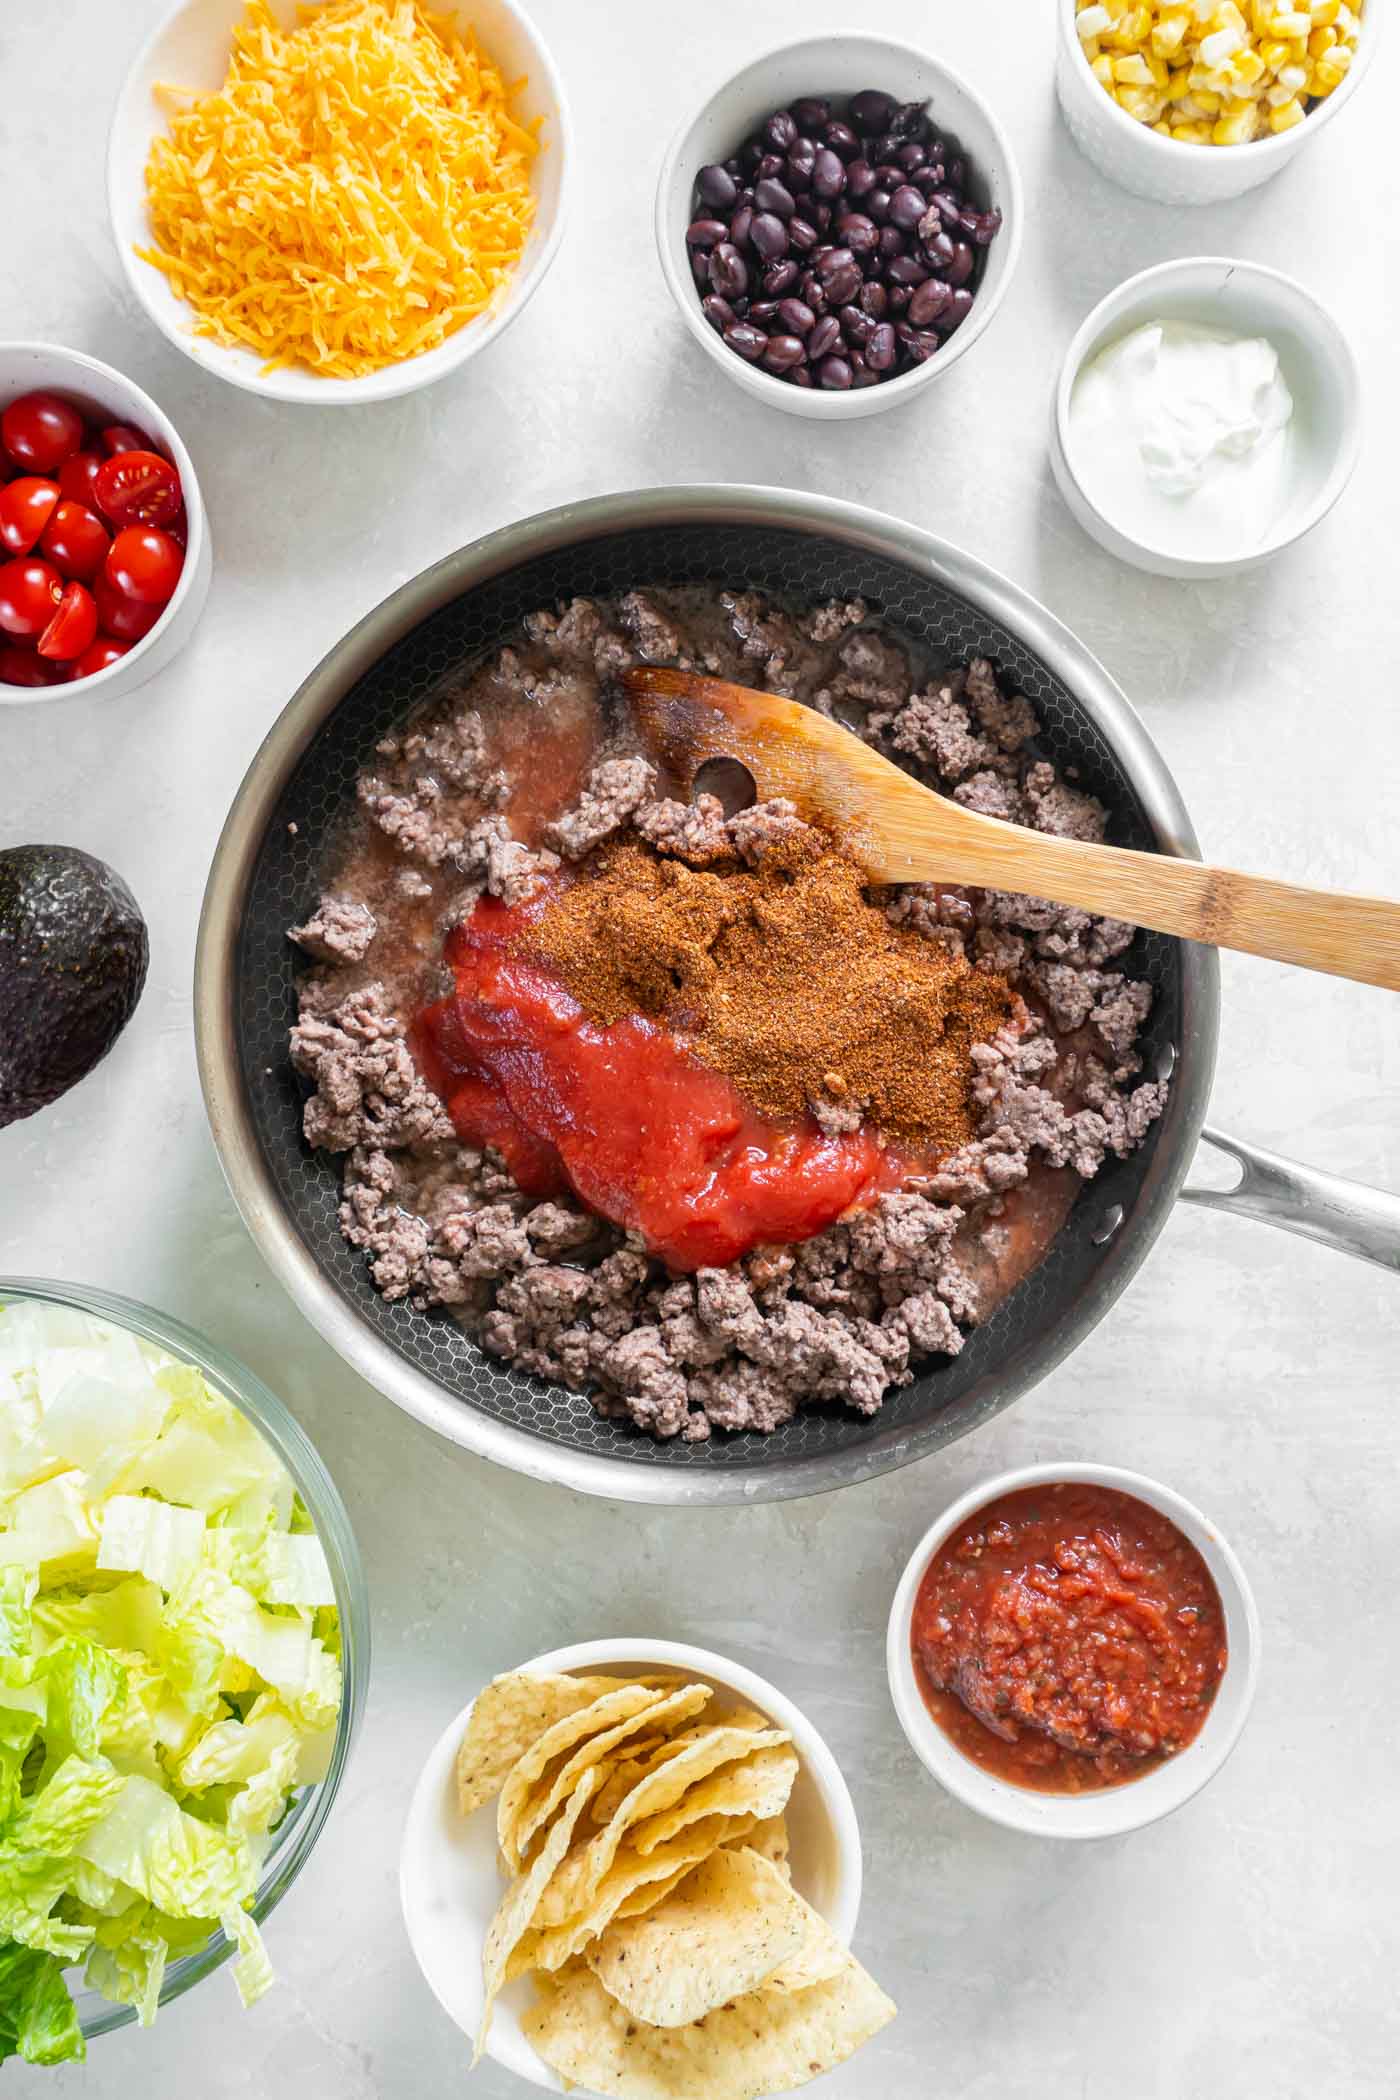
(1194, 101)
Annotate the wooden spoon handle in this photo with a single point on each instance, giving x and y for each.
(1346, 936)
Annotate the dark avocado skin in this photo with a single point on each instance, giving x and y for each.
(73, 959)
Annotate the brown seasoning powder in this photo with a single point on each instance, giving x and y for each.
(783, 976)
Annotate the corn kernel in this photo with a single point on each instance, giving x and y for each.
(1340, 57)
(1248, 68)
(1206, 102)
(1093, 21)
(1285, 117)
(1177, 83)
(1219, 46)
(1320, 43)
(1324, 13)
(1102, 70)
(1132, 72)
(1324, 78)
(1291, 25)
(1169, 35)
(1193, 134)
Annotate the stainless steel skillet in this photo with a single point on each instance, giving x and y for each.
(265, 875)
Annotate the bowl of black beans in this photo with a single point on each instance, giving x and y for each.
(839, 223)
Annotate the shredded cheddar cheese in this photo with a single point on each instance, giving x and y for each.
(355, 192)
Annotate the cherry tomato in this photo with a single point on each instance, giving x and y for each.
(144, 563)
(102, 652)
(121, 437)
(179, 527)
(75, 541)
(77, 475)
(23, 667)
(40, 430)
(138, 488)
(126, 619)
(29, 591)
(26, 505)
(73, 627)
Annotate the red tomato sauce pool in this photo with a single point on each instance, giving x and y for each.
(1068, 1637)
(623, 1116)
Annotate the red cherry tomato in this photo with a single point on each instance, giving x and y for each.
(138, 488)
(23, 667)
(122, 437)
(77, 475)
(126, 619)
(26, 505)
(103, 651)
(29, 592)
(75, 541)
(73, 627)
(144, 563)
(39, 431)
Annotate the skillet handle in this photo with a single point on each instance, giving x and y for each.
(1348, 1215)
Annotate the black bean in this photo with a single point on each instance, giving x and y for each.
(729, 273)
(734, 167)
(750, 154)
(872, 110)
(785, 350)
(741, 309)
(962, 265)
(771, 164)
(824, 337)
(892, 243)
(739, 225)
(948, 206)
(987, 228)
(800, 163)
(762, 311)
(855, 326)
(920, 344)
(889, 175)
(699, 266)
(820, 215)
(810, 112)
(882, 147)
(718, 312)
(780, 131)
(858, 232)
(882, 348)
(768, 236)
(772, 195)
(873, 300)
(969, 219)
(802, 235)
(835, 373)
(704, 233)
(939, 252)
(717, 186)
(844, 283)
(906, 270)
(798, 375)
(877, 204)
(900, 295)
(907, 207)
(929, 301)
(910, 120)
(842, 140)
(780, 277)
(796, 316)
(930, 177)
(911, 158)
(750, 342)
(860, 177)
(956, 311)
(828, 174)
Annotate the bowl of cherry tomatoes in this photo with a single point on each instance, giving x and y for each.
(104, 545)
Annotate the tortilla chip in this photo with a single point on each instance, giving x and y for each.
(765, 2042)
(620, 1703)
(573, 1886)
(770, 1837)
(519, 1904)
(508, 1716)
(630, 1886)
(820, 1955)
(522, 1812)
(730, 1924)
(757, 1786)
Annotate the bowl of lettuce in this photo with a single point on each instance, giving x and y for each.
(184, 1649)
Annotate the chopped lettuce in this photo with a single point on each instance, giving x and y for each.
(169, 1670)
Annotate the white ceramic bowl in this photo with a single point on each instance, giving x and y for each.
(450, 1885)
(1169, 171)
(106, 395)
(191, 49)
(1317, 362)
(839, 65)
(1113, 1810)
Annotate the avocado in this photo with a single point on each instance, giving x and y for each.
(73, 957)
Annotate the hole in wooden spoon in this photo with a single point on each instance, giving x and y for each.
(730, 781)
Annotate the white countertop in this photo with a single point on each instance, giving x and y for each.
(1246, 1947)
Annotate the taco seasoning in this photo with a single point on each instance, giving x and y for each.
(1067, 1637)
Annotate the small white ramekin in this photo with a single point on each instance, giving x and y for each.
(1169, 171)
(190, 49)
(839, 66)
(108, 396)
(1110, 1811)
(450, 1884)
(1318, 364)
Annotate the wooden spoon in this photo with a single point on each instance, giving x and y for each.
(902, 832)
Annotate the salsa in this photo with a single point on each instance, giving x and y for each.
(623, 1116)
(1068, 1637)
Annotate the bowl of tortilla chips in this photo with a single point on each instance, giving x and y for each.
(633, 1867)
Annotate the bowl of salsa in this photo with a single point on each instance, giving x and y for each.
(1073, 1650)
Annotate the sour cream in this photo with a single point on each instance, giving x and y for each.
(1181, 436)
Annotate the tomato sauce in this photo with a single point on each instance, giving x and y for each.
(1068, 1637)
(623, 1116)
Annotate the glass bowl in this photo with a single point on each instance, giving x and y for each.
(295, 1836)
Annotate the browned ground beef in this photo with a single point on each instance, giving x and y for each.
(842, 1317)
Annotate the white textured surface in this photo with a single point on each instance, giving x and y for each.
(1248, 1946)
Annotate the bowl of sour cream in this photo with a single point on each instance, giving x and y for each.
(1208, 414)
